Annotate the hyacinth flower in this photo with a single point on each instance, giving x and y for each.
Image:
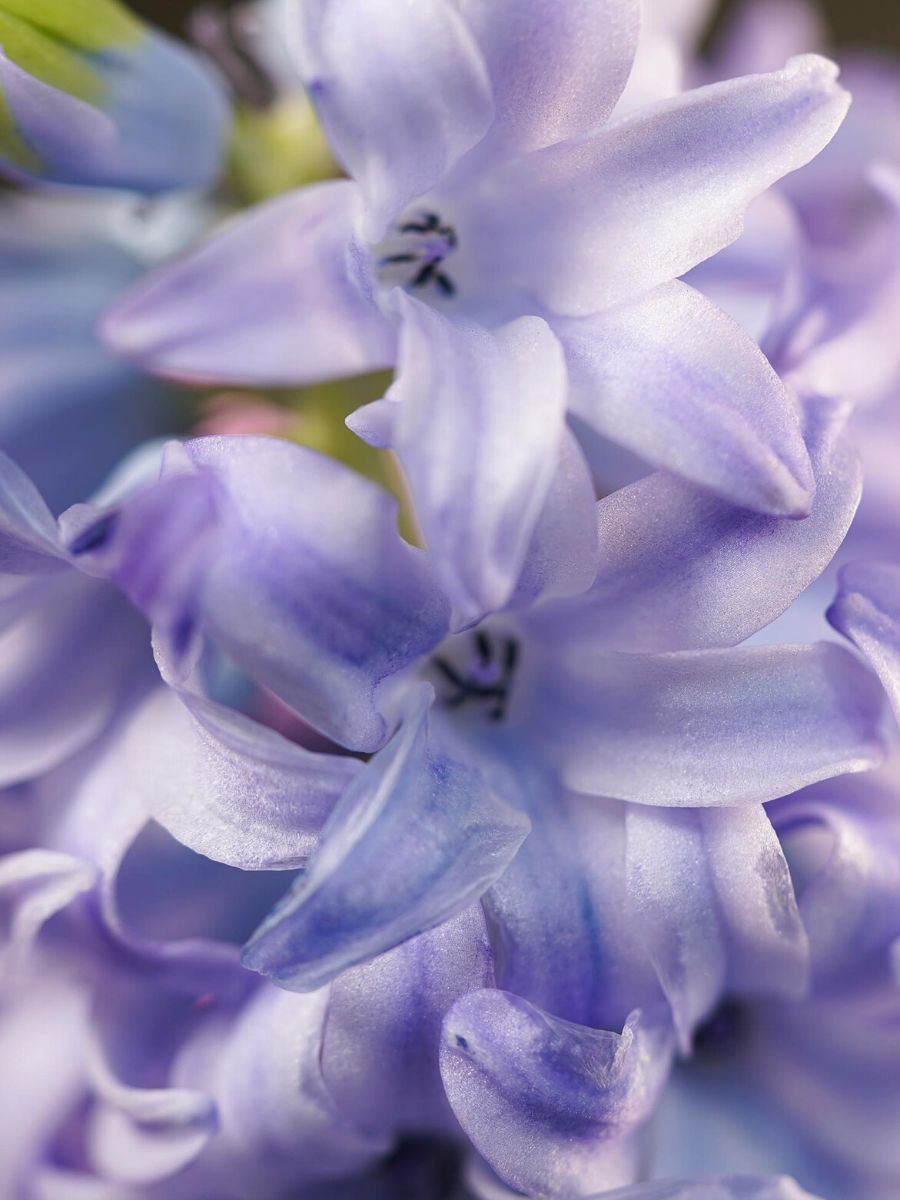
(180, 1075)
(176, 1079)
(805, 1084)
(821, 254)
(346, 623)
(512, 254)
(90, 95)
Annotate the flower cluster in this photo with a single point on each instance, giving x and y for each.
(446, 664)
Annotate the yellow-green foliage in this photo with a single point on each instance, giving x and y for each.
(85, 24)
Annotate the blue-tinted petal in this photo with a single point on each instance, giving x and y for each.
(569, 874)
(681, 569)
(29, 538)
(160, 122)
(301, 576)
(416, 837)
(713, 727)
(557, 67)
(401, 91)
(68, 409)
(479, 431)
(397, 1003)
(710, 897)
(72, 653)
(229, 788)
(549, 1104)
(278, 1124)
(599, 220)
(867, 610)
(675, 380)
(280, 296)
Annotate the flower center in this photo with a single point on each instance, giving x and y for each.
(722, 1031)
(413, 255)
(483, 676)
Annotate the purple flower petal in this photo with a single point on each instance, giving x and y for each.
(598, 220)
(300, 576)
(140, 1135)
(29, 538)
(557, 67)
(416, 838)
(682, 570)
(549, 1104)
(867, 611)
(711, 899)
(842, 842)
(479, 431)
(73, 652)
(161, 121)
(280, 296)
(675, 380)
(569, 875)
(229, 788)
(402, 92)
(562, 558)
(709, 727)
(278, 1123)
(397, 1003)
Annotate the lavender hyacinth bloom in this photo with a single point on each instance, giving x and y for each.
(512, 253)
(91, 96)
(519, 865)
(480, 1010)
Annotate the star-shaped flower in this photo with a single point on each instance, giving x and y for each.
(512, 248)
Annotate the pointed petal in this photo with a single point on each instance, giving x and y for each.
(401, 90)
(183, 935)
(678, 382)
(599, 220)
(682, 570)
(710, 897)
(478, 432)
(563, 554)
(29, 539)
(73, 652)
(172, 118)
(709, 727)
(280, 296)
(569, 874)
(413, 841)
(301, 576)
(867, 611)
(229, 788)
(556, 69)
(548, 1103)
